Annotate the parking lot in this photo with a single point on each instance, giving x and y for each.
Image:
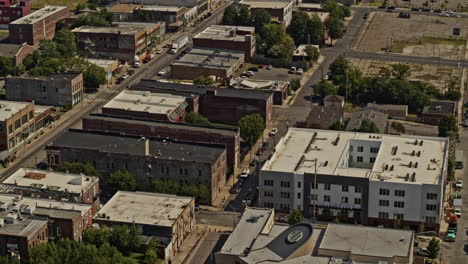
(456, 5)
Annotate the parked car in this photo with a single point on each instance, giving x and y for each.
(292, 70)
(457, 212)
(404, 15)
(450, 236)
(161, 72)
(459, 184)
(426, 10)
(269, 67)
(250, 73)
(391, 7)
(299, 71)
(261, 66)
(389, 11)
(415, 9)
(444, 15)
(273, 132)
(437, 10)
(131, 72)
(245, 173)
(148, 58)
(253, 69)
(136, 64)
(382, 7)
(159, 51)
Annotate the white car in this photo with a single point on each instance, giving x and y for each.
(245, 173)
(292, 70)
(273, 132)
(159, 51)
(444, 15)
(136, 64)
(459, 184)
(457, 212)
(269, 67)
(299, 71)
(161, 72)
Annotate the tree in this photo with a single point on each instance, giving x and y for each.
(434, 248)
(8, 260)
(398, 127)
(96, 236)
(283, 50)
(195, 118)
(324, 88)
(166, 186)
(400, 71)
(274, 34)
(48, 49)
(65, 43)
(251, 128)
(295, 217)
(312, 53)
(79, 167)
(122, 180)
(260, 18)
(202, 80)
(229, 15)
(94, 76)
(336, 10)
(95, 19)
(453, 90)
(124, 238)
(338, 126)
(6, 67)
(315, 29)
(295, 84)
(448, 127)
(151, 256)
(338, 70)
(335, 28)
(368, 126)
(243, 17)
(298, 27)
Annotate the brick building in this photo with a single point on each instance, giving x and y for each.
(437, 110)
(279, 10)
(59, 186)
(147, 105)
(227, 136)
(16, 123)
(229, 38)
(168, 219)
(122, 12)
(122, 40)
(11, 10)
(168, 14)
(207, 62)
(56, 90)
(219, 105)
(38, 25)
(148, 158)
(15, 52)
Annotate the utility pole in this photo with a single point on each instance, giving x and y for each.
(315, 191)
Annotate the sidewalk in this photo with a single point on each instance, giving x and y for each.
(195, 237)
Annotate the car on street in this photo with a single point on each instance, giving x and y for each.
(161, 72)
(426, 10)
(136, 64)
(404, 15)
(245, 173)
(437, 10)
(148, 58)
(159, 51)
(415, 9)
(459, 184)
(457, 212)
(269, 67)
(299, 71)
(253, 69)
(261, 66)
(450, 236)
(444, 15)
(292, 70)
(391, 7)
(273, 132)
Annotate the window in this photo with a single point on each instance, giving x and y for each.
(268, 205)
(430, 219)
(312, 186)
(398, 216)
(351, 148)
(359, 159)
(10, 129)
(360, 149)
(284, 184)
(24, 119)
(268, 193)
(344, 213)
(284, 207)
(357, 189)
(374, 150)
(431, 207)
(298, 195)
(432, 196)
(357, 200)
(17, 124)
(400, 193)
(383, 215)
(326, 198)
(327, 186)
(162, 169)
(344, 199)
(185, 171)
(284, 195)
(399, 204)
(371, 160)
(59, 231)
(385, 203)
(268, 183)
(344, 188)
(199, 173)
(384, 192)
(299, 184)
(181, 171)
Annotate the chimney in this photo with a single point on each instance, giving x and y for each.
(147, 147)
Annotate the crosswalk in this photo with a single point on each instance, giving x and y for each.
(100, 98)
(112, 91)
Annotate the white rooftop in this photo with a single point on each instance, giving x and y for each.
(144, 208)
(49, 180)
(266, 4)
(220, 32)
(102, 63)
(249, 227)
(397, 157)
(161, 8)
(9, 108)
(367, 241)
(144, 101)
(39, 14)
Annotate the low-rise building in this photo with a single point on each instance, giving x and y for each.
(219, 105)
(322, 117)
(122, 40)
(228, 38)
(148, 158)
(393, 111)
(37, 26)
(197, 62)
(147, 105)
(15, 52)
(379, 119)
(109, 66)
(169, 219)
(59, 89)
(16, 123)
(280, 89)
(256, 239)
(59, 186)
(300, 53)
(279, 10)
(437, 110)
(374, 179)
(335, 100)
(227, 136)
(168, 14)
(123, 12)
(11, 10)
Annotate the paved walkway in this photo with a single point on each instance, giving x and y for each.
(189, 243)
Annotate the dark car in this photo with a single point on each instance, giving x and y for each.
(389, 11)
(254, 69)
(391, 7)
(365, 16)
(382, 7)
(415, 9)
(404, 15)
(426, 10)
(437, 10)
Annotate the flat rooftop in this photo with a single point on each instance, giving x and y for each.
(266, 4)
(50, 180)
(396, 157)
(27, 227)
(143, 101)
(123, 8)
(9, 108)
(228, 33)
(161, 8)
(210, 58)
(144, 208)
(440, 108)
(367, 241)
(250, 225)
(39, 14)
(102, 63)
(108, 30)
(107, 142)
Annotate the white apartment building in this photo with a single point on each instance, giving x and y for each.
(374, 179)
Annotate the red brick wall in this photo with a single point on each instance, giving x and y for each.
(145, 115)
(245, 46)
(25, 50)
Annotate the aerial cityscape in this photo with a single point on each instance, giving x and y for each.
(233, 131)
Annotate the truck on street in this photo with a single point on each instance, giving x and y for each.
(178, 44)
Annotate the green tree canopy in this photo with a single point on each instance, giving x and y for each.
(122, 180)
(295, 217)
(229, 15)
(338, 69)
(368, 126)
(305, 29)
(200, 192)
(96, 236)
(95, 19)
(448, 126)
(65, 43)
(295, 84)
(336, 10)
(94, 76)
(124, 238)
(195, 118)
(6, 67)
(78, 167)
(434, 248)
(8, 260)
(335, 28)
(251, 128)
(398, 127)
(324, 88)
(338, 126)
(204, 80)
(260, 18)
(312, 53)
(400, 71)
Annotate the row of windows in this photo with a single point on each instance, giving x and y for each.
(401, 193)
(344, 188)
(283, 184)
(344, 199)
(396, 216)
(21, 121)
(361, 159)
(396, 204)
(285, 195)
(361, 149)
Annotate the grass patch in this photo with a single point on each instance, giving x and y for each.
(398, 46)
(428, 77)
(4, 34)
(351, 108)
(71, 3)
(375, 3)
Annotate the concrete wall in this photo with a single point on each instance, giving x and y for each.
(12, 136)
